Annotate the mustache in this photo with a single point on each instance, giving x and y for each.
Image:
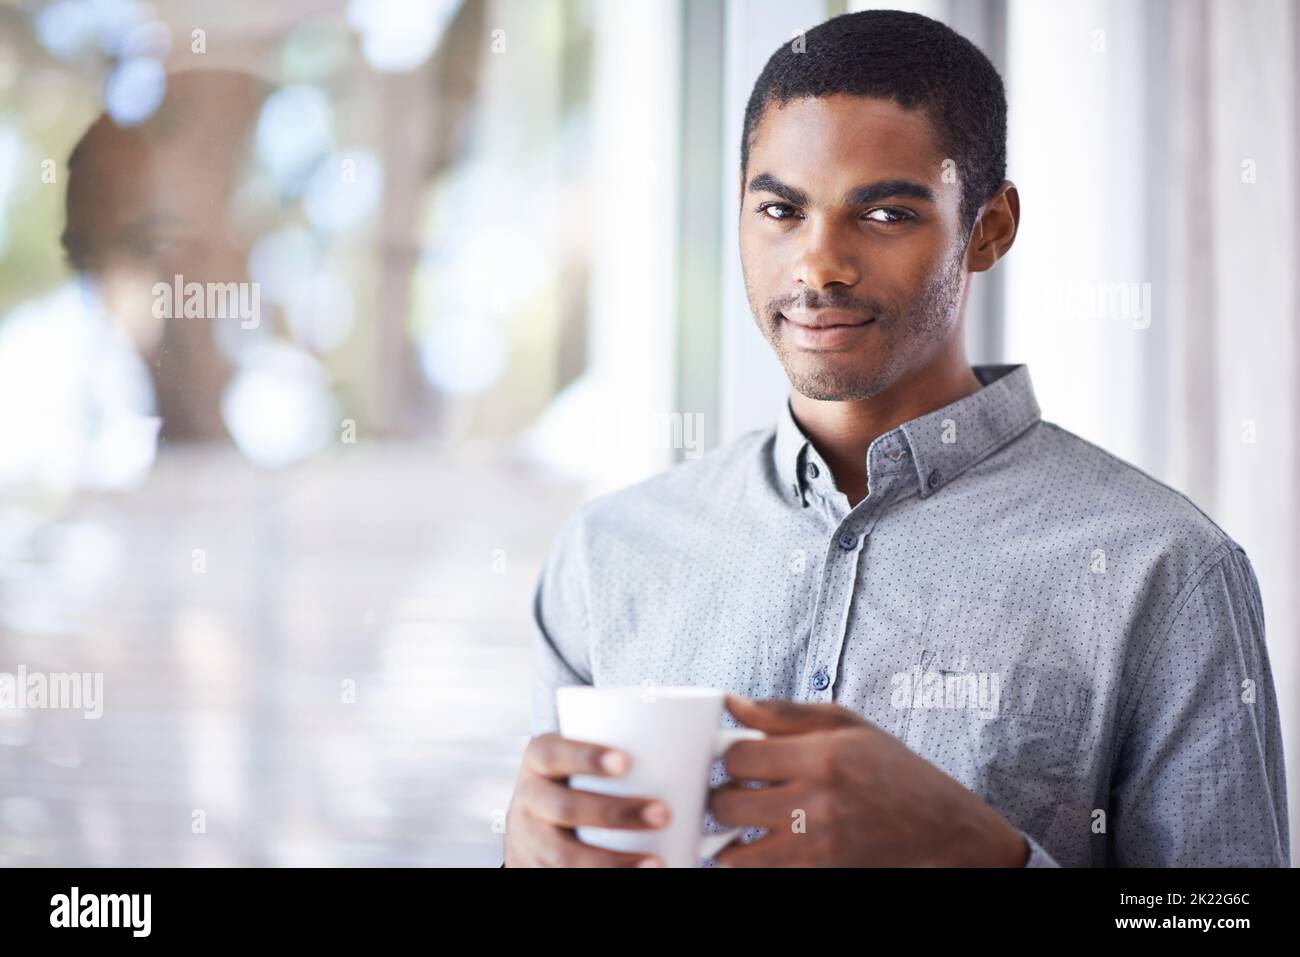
(813, 300)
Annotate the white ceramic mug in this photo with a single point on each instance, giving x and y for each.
(671, 736)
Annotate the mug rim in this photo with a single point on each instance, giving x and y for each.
(674, 692)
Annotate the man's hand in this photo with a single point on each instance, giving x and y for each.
(544, 810)
(841, 792)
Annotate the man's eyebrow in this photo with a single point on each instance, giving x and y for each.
(873, 192)
(889, 189)
(767, 183)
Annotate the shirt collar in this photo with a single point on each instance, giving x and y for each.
(933, 448)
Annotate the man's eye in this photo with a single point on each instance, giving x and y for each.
(785, 210)
(893, 215)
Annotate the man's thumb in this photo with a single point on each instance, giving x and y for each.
(779, 716)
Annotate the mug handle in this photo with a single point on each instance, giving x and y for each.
(710, 844)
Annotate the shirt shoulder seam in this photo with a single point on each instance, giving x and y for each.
(1193, 584)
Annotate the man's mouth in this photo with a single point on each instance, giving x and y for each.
(825, 329)
(826, 318)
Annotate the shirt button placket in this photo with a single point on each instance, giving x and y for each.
(838, 585)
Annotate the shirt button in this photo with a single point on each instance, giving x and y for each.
(812, 470)
(848, 541)
(820, 681)
(934, 479)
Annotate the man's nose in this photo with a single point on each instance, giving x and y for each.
(826, 256)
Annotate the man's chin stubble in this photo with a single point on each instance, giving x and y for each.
(831, 377)
(831, 385)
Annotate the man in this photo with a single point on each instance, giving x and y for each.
(984, 641)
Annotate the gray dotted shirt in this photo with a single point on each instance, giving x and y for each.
(1069, 638)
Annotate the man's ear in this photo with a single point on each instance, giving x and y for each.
(995, 229)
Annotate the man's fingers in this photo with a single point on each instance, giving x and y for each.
(555, 757)
(778, 716)
(564, 806)
(561, 848)
(773, 759)
(771, 807)
(771, 850)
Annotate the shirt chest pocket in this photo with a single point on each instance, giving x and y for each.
(1011, 731)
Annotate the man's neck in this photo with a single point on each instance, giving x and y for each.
(843, 431)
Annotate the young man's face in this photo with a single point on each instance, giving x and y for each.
(837, 232)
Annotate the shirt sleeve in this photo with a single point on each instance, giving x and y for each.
(560, 653)
(1199, 779)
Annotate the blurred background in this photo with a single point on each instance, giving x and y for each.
(479, 265)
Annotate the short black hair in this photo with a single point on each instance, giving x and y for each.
(914, 61)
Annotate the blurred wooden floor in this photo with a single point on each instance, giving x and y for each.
(387, 566)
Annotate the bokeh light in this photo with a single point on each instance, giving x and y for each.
(399, 35)
(134, 90)
(294, 129)
(278, 407)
